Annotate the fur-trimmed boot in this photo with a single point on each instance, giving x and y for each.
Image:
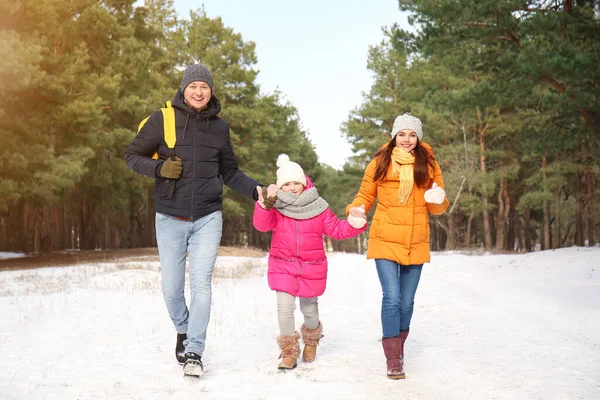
(311, 338)
(290, 350)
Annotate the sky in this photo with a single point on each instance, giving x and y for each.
(314, 52)
(501, 327)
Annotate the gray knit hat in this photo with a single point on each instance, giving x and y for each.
(407, 121)
(196, 72)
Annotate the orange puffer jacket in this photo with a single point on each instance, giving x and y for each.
(398, 232)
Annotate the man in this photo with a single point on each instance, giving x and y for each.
(188, 198)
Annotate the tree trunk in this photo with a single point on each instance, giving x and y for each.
(150, 219)
(589, 209)
(527, 229)
(82, 231)
(516, 232)
(579, 228)
(557, 242)
(24, 245)
(546, 243)
(452, 235)
(500, 224)
(487, 230)
(503, 216)
(432, 235)
(468, 234)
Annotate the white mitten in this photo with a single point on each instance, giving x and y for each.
(356, 222)
(358, 211)
(435, 195)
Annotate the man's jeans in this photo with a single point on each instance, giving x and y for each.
(399, 285)
(201, 240)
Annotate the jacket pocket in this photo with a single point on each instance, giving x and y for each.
(314, 270)
(165, 188)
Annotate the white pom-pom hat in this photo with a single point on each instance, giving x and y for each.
(289, 171)
(407, 121)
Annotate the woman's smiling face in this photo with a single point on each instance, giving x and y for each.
(406, 139)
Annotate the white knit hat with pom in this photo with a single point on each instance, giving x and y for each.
(289, 171)
(407, 121)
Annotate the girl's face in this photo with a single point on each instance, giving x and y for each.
(197, 95)
(406, 139)
(293, 187)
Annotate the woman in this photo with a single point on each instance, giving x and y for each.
(188, 199)
(407, 182)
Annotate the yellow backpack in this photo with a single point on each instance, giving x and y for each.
(168, 126)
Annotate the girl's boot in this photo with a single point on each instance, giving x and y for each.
(311, 338)
(290, 350)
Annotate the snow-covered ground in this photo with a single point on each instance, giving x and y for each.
(4, 255)
(485, 327)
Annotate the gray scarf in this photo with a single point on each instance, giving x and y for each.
(304, 206)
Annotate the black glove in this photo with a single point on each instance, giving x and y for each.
(269, 201)
(171, 168)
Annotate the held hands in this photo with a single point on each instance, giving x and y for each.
(171, 168)
(356, 222)
(357, 217)
(435, 195)
(267, 196)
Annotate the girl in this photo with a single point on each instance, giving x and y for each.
(297, 261)
(407, 181)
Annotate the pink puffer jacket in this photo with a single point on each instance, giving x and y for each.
(297, 260)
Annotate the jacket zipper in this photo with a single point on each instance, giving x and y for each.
(298, 254)
(194, 166)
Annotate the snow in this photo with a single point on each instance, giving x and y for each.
(5, 255)
(522, 326)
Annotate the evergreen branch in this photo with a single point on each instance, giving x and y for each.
(563, 90)
(508, 38)
(479, 24)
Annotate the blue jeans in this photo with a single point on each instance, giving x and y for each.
(399, 285)
(200, 239)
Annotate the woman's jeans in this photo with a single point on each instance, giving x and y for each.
(200, 239)
(399, 285)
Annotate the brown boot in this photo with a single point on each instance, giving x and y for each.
(290, 350)
(403, 337)
(311, 338)
(392, 347)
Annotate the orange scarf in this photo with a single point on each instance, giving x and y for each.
(402, 166)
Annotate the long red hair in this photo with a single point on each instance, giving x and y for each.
(423, 161)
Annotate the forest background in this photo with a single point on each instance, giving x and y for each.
(509, 93)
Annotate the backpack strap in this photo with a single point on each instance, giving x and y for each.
(168, 113)
(170, 136)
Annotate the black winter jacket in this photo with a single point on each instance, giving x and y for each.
(203, 143)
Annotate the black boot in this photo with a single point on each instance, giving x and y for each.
(180, 348)
(193, 365)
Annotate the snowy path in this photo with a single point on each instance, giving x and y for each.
(485, 327)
